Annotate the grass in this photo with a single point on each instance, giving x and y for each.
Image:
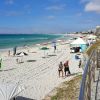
(68, 90)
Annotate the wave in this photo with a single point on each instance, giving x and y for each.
(7, 41)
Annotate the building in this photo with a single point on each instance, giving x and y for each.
(98, 31)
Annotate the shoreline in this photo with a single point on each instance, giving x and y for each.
(48, 42)
(32, 42)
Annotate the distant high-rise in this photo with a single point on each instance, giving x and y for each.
(98, 31)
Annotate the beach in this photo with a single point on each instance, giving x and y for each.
(38, 72)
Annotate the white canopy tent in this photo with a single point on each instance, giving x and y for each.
(78, 41)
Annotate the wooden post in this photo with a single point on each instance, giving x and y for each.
(89, 83)
(98, 58)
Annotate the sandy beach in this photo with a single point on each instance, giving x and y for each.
(36, 74)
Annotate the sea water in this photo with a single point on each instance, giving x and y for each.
(12, 40)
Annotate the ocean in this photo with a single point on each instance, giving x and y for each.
(12, 40)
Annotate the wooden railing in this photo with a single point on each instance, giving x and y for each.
(88, 77)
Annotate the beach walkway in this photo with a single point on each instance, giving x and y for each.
(96, 84)
(95, 93)
(90, 86)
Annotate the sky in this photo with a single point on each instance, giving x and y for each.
(48, 16)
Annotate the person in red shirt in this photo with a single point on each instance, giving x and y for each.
(66, 67)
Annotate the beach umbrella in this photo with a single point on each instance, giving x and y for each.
(54, 45)
(54, 41)
(44, 48)
(21, 54)
(9, 91)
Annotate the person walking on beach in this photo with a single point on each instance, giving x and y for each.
(8, 52)
(80, 62)
(54, 45)
(66, 67)
(14, 51)
(0, 62)
(60, 69)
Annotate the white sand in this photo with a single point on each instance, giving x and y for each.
(39, 77)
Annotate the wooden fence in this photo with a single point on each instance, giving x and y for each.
(89, 76)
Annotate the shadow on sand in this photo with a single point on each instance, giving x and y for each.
(7, 69)
(23, 98)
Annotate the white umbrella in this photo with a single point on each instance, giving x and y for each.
(9, 91)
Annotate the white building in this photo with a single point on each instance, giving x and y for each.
(98, 30)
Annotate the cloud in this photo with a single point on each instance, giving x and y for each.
(11, 13)
(51, 17)
(28, 8)
(83, 1)
(87, 21)
(92, 6)
(13, 30)
(79, 14)
(9, 2)
(56, 7)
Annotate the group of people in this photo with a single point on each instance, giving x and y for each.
(63, 69)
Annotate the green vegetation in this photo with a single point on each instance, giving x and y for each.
(94, 46)
(68, 90)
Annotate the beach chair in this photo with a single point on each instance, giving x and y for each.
(9, 91)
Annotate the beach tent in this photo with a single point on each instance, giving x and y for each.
(79, 42)
(9, 91)
(22, 54)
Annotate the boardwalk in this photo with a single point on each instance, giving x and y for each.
(90, 87)
(97, 81)
(95, 94)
